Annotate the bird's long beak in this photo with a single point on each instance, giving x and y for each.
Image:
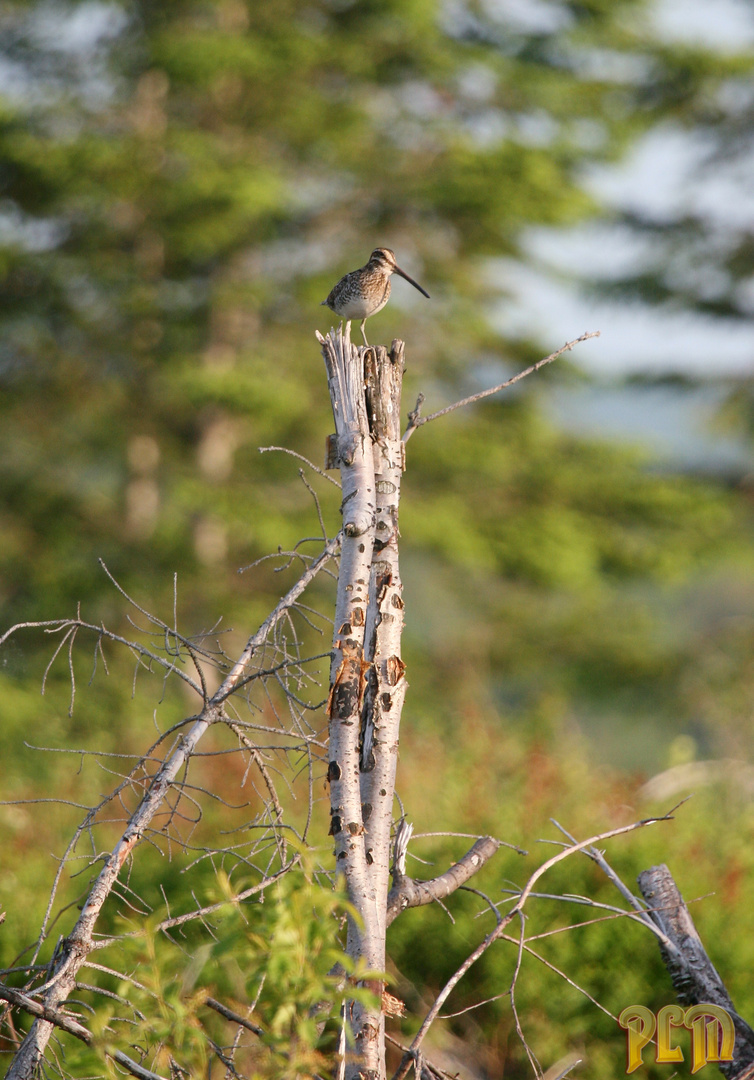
(410, 280)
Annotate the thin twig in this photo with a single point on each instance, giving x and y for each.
(293, 453)
(493, 936)
(533, 1061)
(157, 792)
(427, 1064)
(596, 855)
(416, 421)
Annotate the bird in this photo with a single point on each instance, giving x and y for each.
(365, 291)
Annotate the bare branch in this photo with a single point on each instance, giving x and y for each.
(416, 421)
(80, 942)
(516, 1019)
(245, 894)
(67, 1023)
(236, 1018)
(694, 976)
(288, 601)
(133, 1066)
(74, 624)
(498, 932)
(428, 1070)
(596, 856)
(407, 892)
(293, 453)
(54, 1016)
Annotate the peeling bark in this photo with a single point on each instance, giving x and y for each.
(345, 377)
(348, 677)
(368, 678)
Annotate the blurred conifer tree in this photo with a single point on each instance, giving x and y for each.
(180, 185)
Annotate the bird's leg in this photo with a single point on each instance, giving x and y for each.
(363, 334)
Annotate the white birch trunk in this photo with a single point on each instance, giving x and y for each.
(367, 683)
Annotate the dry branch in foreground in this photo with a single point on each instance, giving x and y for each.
(694, 976)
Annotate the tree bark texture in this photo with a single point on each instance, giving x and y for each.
(368, 684)
(694, 976)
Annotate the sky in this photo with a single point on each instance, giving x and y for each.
(633, 338)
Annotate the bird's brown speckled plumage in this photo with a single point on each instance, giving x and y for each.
(365, 291)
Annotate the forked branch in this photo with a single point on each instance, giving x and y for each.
(74, 950)
(410, 1057)
(408, 892)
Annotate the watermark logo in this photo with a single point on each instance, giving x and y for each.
(712, 1034)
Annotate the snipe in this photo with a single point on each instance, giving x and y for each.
(366, 291)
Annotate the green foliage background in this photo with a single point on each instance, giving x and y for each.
(180, 185)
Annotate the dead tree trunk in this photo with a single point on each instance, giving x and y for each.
(367, 683)
(367, 690)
